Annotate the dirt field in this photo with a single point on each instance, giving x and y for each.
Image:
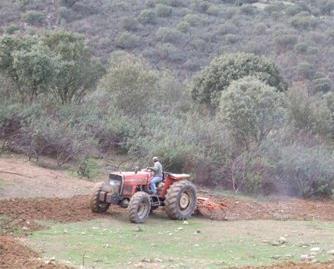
(20, 178)
(29, 194)
(15, 255)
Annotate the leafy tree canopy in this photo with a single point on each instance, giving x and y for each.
(225, 69)
(57, 62)
(251, 109)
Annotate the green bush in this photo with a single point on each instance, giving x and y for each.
(11, 29)
(127, 40)
(311, 114)
(304, 171)
(33, 17)
(285, 41)
(301, 47)
(227, 28)
(214, 10)
(305, 70)
(322, 85)
(147, 16)
(131, 84)
(163, 10)
(193, 19)
(303, 22)
(130, 24)
(251, 109)
(183, 27)
(169, 35)
(224, 69)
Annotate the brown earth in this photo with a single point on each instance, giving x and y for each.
(15, 255)
(291, 265)
(22, 178)
(63, 199)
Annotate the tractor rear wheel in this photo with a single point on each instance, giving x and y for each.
(181, 200)
(95, 204)
(139, 207)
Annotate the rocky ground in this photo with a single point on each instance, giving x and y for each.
(30, 193)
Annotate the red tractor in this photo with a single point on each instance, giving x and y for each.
(131, 190)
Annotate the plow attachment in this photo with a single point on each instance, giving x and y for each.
(211, 209)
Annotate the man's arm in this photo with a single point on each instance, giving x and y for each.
(154, 169)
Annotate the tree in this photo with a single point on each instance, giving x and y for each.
(57, 64)
(76, 72)
(27, 64)
(251, 109)
(224, 69)
(131, 82)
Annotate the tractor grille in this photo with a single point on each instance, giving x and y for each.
(116, 182)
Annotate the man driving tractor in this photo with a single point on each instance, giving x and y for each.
(157, 176)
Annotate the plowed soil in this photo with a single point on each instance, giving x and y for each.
(20, 178)
(23, 180)
(15, 255)
(329, 265)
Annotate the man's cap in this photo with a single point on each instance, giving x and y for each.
(155, 159)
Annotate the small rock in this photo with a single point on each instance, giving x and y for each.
(146, 260)
(138, 229)
(185, 222)
(282, 240)
(315, 249)
(157, 260)
(170, 234)
(51, 261)
(180, 228)
(275, 243)
(276, 257)
(196, 245)
(305, 257)
(25, 228)
(330, 252)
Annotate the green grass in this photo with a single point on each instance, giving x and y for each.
(2, 184)
(115, 243)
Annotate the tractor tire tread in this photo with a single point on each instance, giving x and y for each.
(94, 201)
(133, 206)
(171, 202)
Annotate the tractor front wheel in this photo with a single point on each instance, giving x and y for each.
(95, 204)
(139, 207)
(181, 200)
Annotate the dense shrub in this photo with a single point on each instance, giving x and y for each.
(226, 68)
(163, 10)
(147, 17)
(130, 24)
(305, 70)
(170, 35)
(34, 17)
(57, 64)
(309, 113)
(131, 84)
(303, 22)
(127, 40)
(301, 169)
(251, 109)
(322, 85)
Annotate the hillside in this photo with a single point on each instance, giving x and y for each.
(257, 118)
(184, 35)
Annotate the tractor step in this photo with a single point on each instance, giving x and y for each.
(155, 201)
